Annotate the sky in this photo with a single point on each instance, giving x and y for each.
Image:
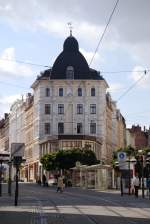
(34, 31)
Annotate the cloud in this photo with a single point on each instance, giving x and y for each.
(114, 87)
(9, 68)
(6, 102)
(89, 54)
(128, 30)
(138, 73)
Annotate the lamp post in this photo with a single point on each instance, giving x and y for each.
(142, 170)
(142, 162)
(17, 160)
(9, 178)
(1, 178)
(148, 174)
(129, 176)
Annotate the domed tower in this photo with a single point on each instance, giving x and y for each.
(70, 103)
(71, 61)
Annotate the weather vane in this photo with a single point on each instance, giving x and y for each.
(70, 27)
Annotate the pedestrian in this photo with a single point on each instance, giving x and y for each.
(44, 180)
(60, 184)
(148, 186)
(136, 184)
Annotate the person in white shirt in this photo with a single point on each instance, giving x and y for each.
(136, 184)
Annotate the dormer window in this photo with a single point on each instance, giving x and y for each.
(70, 72)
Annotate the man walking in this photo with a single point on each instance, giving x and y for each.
(60, 184)
(136, 183)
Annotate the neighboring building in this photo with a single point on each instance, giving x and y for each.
(121, 130)
(31, 156)
(141, 136)
(4, 134)
(17, 122)
(130, 138)
(109, 129)
(118, 128)
(4, 143)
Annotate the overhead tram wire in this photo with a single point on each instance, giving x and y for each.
(46, 66)
(23, 62)
(124, 71)
(102, 36)
(132, 86)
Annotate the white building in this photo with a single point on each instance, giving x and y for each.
(70, 104)
(70, 109)
(17, 122)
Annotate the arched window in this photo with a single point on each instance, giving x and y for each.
(70, 72)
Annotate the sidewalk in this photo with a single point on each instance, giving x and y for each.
(114, 191)
(10, 214)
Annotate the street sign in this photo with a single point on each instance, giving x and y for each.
(17, 149)
(122, 157)
(78, 164)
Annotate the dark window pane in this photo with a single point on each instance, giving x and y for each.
(79, 91)
(47, 92)
(92, 91)
(93, 128)
(60, 91)
(47, 109)
(92, 108)
(60, 108)
(79, 128)
(79, 108)
(60, 128)
(47, 128)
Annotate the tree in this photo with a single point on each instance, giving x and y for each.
(88, 157)
(66, 159)
(49, 161)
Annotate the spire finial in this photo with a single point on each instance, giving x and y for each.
(70, 27)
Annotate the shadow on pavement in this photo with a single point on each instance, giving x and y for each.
(11, 217)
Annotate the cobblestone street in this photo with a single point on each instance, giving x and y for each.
(43, 205)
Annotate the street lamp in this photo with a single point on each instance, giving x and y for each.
(142, 169)
(148, 174)
(17, 160)
(129, 176)
(9, 178)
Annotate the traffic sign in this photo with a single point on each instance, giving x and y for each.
(122, 156)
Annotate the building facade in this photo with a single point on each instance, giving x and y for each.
(70, 108)
(141, 136)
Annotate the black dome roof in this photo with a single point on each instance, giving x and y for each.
(71, 56)
(71, 44)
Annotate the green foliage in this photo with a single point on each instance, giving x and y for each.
(66, 159)
(88, 157)
(49, 161)
(139, 156)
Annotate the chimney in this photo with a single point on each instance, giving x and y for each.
(6, 115)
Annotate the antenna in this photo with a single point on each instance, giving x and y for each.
(70, 27)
